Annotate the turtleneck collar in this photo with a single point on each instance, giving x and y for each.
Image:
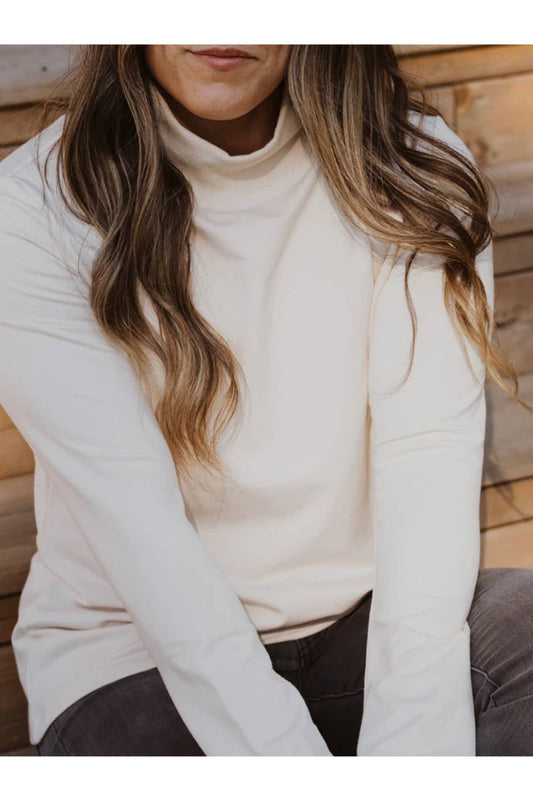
(220, 179)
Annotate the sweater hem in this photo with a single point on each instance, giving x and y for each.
(41, 716)
(301, 631)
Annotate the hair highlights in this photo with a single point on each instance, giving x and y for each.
(354, 106)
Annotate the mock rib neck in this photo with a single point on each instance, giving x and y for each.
(218, 177)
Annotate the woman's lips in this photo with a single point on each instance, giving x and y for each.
(222, 59)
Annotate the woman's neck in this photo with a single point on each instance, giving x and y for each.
(238, 136)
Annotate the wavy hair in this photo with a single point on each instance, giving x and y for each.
(354, 104)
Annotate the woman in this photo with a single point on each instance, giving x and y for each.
(205, 313)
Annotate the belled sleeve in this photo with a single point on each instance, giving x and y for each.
(427, 445)
(77, 402)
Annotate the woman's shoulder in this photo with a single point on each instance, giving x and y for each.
(24, 196)
(29, 182)
(23, 162)
(32, 209)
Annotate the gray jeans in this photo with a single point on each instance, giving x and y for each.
(136, 716)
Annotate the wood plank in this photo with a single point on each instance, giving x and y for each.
(6, 151)
(17, 545)
(516, 342)
(23, 751)
(7, 626)
(444, 100)
(513, 253)
(16, 456)
(13, 705)
(468, 64)
(509, 434)
(514, 318)
(16, 494)
(514, 297)
(407, 49)
(19, 123)
(29, 73)
(5, 420)
(508, 546)
(513, 183)
(506, 503)
(495, 119)
(8, 616)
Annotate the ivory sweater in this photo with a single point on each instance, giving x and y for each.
(335, 487)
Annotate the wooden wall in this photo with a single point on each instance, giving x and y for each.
(484, 92)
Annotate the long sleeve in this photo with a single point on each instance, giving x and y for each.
(427, 441)
(77, 402)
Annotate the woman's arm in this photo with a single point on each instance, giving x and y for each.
(427, 447)
(76, 401)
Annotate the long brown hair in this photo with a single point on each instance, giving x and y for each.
(354, 103)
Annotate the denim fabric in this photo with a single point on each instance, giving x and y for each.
(136, 716)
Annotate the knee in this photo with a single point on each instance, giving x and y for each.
(501, 640)
(502, 606)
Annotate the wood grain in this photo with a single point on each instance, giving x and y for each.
(509, 434)
(514, 318)
(5, 420)
(506, 503)
(8, 617)
(21, 751)
(495, 119)
(29, 73)
(508, 546)
(6, 151)
(455, 66)
(16, 494)
(514, 298)
(444, 100)
(513, 253)
(13, 705)
(16, 456)
(18, 124)
(17, 545)
(407, 49)
(513, 183)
